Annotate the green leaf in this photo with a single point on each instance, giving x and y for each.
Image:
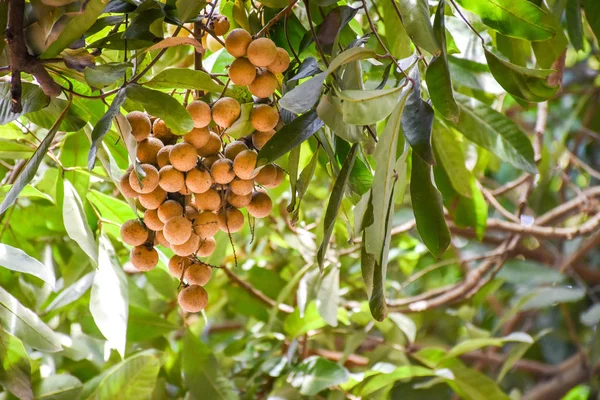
(58, 387)
(470, 384)
(74, 120)
(242, 126)
(107, 74)
(515, 353)
(366, 107)
(591, 316)
(295, 325)
(396, 38)
(10, 149)
(518, 51)
(378, 381)
(201, 371)
(475, 344)
(549, 296)
(144, 325)
(110, 208)
(28, 191)
(415, 18)
(450, 153)
(328, 296)
(184, 78)
(405, 324)
(417, 121)
(548, 51)
(26, 325)
(72, 293)
(17, 260)
(523, 83)
(15, 370)
(574, 23)
(331, 113)
(32, 99)
(316, 374)
(103, 126)
(76, 223)
(76, 27)
(592, 14)
(531, 273)
(428, 208)
(519, 19)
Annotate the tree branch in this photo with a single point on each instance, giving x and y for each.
(257, 293)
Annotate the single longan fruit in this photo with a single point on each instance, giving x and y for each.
(197, 137)
(188, 248)
(244, 164)
(226, 111)
(177, 264)
(171, 179)
(200, 112)
(148, 183)
(177, 230)
(212, 147)
(161, 132)
(206, 225)
(239, 201)
(144, 258)
(162, 158)
(222, 171)
(281, 62)
(152, 221)
(236, 43)
(191, 212)
(198, 180)
(207, 162)
(152, 200)
(140, 125)
(262, 52)
(185, 191)
(242, 72)
(148, 149)
(231, 220)
(279, 177)
(183, 156)
(264, 118)
(207, 247)
(208, 201)
(126, 188)
(134, 233)
(234, 148)
(197, 274)
(260, 206)
(260, 138)
(213, 44)
(241, 187)
(168, 210)
(193, 299)
(266, 175)
(220, 25)
(263, 85)
(159, 237)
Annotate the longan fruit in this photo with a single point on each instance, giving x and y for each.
(244, 164)
(185, 191)
(208, 201)
(264, 118)
(126, 188)
(197, 137)
(260, 206)
(162, 158)
(198, 180)
(281, 62)
(177, 230)
(188, 248)
(266, 175)
(191, 212)
(207, 247)
(242, 72)
(239, 201)
(241, 187)
(234, 148)
(183, 156)
(200, 112)
(159, 237)
(134, 233)
(226, 111)
(231, 220)
(169, 209)
(260, 138)
(177, 264)
(171, 179)
(236, 43)
(262, 52)
(197, 274)
(212, 147)
(140, 125)
(279, 177)
(152, 221)
(144, 258)
(162, 132)
(263, 85)
(213, 44)
(152, 200)
(148, 183)
(207, 162)
(206, 225)
(193, 299)
(148, 149)
(222, 171)
(220, 25)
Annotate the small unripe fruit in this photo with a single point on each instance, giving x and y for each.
(197, 274)
(234, 148)
(266, 175)
(260, 206)
(238, 201)
(188, 248)
(193, 299)
(161, 132)
(262, 52)
(206, 225)
(148, 183)
(242, 72)
(220, 25)
(140, 125)
(200, 112)
(126, 188)
(177, 265)
(198, 180)
(237, 42)
(231, 220)
(177, 230)
(222, 171)
(191, 212)
(263, 85)
(241, 187)
(197, 137)
(159, 238)
(168, 210)
(211, 148)
(183, 156)
(144, 258)
(244, 164)
(207, 247)
(207, 162)
(264, 118)
(226, 111)
(134, 233)
(281, 62)
(152, 200)
(152, 221)
(148, 149)
(162, 158)
(260, 138)
(208, 201)
(171, 179)
(213, 44)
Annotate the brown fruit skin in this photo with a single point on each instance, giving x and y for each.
(231, 220)
(226, 111)
(177, 230)
(193, 299)
(161, 132)
(206, 225)
(260, 138)
(279, 177)
(234, 148)
(197, 137)
(222, 171)
(198, 180)
(152, 221)
(207, 247)
(264, 118)
(208, 201)
(177, 264)
(162, 158)
(185, 191)
(126, 188)
(242, 72)
(152, 200)
(191, 212)
(148, 149)
(281, 62)
(140, 125)
(211, 148)
(244, 164)
(197, 274)
(183, 156)
(149, 182)
(260, 206)
(207, 162)
(241, 187)
(262, 52)
(160, 239)
(266, 175)
(169, 209)
(171, 179)
(220, 25)
(238, 201)
(144, 258)
(188, 248)
(236, 43)
(200, 112)
(263, 85)
(134, 233)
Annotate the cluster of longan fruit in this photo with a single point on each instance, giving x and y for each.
(192, 188)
